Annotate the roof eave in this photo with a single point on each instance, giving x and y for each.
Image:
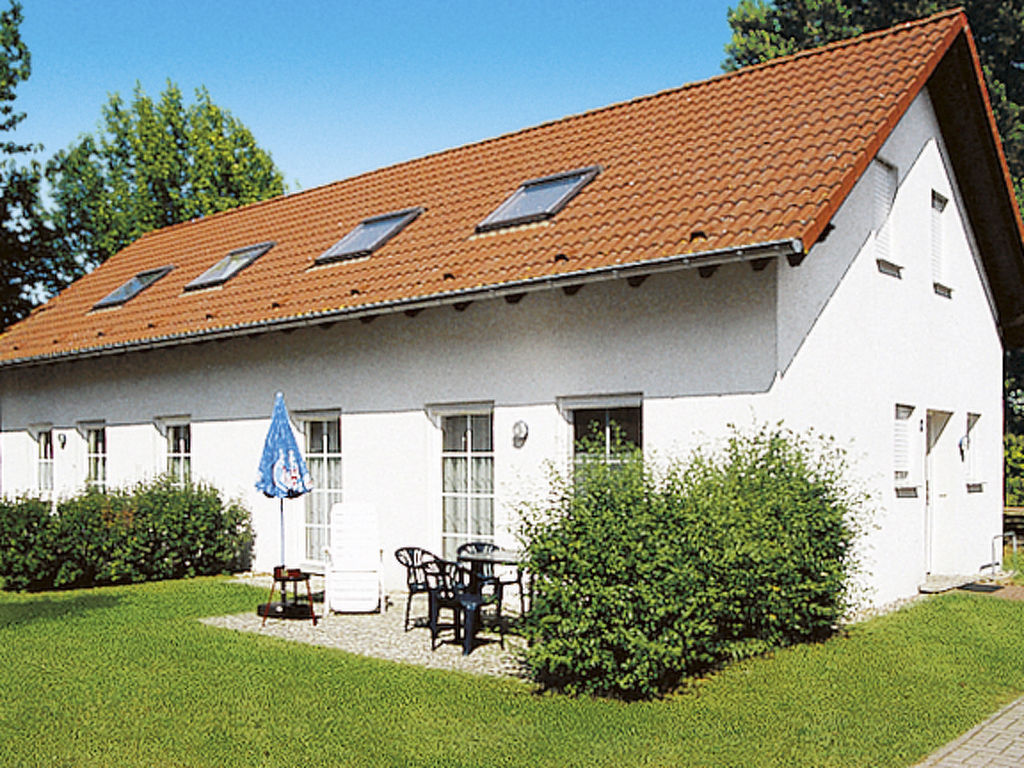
(960, 98)
(791, 248)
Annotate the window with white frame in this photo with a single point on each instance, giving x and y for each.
(179, 453)
(885, 179)
(323, 459)
(969, 454)
(44, 464)
(467, 485)
(96, 457)
(603, 432)
(938, 255)
(905, 450)
(606, 424)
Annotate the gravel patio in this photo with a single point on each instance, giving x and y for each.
(382, 635)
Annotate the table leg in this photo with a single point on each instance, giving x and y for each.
(309, 599)
(270, 601)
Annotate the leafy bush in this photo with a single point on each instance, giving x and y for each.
(156, 530)
(27, 557)
(1013, 453)
(641, 578)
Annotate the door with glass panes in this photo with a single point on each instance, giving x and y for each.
(467, 467)
(323, 459)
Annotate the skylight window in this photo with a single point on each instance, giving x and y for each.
(132, 288)
(229, 266)
(369, 235)
(539, 199)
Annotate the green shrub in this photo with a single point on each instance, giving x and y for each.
(27, 558)
(156, 530)
(641, 578)
(1013, 454)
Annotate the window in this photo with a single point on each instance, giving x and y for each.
(905, 453)
(602, 429)
(538, 199)
(44, 466)
(179, 453)
(368, 236)
(969, 454)
(96, 457)
(323, 459)
(938, 256)
(132, 288)
(229, 266)
(467, 468)
(884, 178)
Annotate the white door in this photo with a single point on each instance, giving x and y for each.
(936, 490)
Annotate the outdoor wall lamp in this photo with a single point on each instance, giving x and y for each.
(520, 431)
(62, 439)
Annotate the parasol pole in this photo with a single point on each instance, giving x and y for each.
(281, 502)
(284, 592)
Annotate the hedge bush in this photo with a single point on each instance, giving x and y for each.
(155, 530)
(642, 577)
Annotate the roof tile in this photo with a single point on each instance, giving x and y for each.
(761, 155)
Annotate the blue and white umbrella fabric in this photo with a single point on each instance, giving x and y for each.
(282, 473)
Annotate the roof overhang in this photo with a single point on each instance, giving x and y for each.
(792, 249)
(960, 99)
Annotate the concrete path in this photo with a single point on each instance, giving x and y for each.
(996, 743)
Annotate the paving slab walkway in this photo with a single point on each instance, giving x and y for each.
(996, 743)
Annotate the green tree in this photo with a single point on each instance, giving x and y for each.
(764, 30)
(27, 264)
(151, 164)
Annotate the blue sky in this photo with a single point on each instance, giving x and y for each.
(332, 89)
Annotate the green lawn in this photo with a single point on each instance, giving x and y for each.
(126, 676)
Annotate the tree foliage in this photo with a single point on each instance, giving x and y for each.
(764, 30)
(151, 164)
(27, 263)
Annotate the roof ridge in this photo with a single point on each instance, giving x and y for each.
(846, 42)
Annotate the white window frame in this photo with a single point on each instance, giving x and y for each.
(568, 406)
(885, 183)
(472, 493)
(907, 451)
(97, 458)
(969, 454)
(937, 226)
(44, 459)
(317, 533)
(179, 458)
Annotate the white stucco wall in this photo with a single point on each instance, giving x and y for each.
(881, 340)
(673, 340)
(832, 344)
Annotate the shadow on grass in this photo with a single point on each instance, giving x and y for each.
(58, 607)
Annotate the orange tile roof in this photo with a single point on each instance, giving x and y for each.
(755, 160)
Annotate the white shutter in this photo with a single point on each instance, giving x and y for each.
(970, 450)
(885, 180)
(937, 247)
(904, 445)
(353, 563)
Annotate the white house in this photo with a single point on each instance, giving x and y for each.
(829, 239)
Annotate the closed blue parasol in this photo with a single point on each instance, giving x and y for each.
(282, 472)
